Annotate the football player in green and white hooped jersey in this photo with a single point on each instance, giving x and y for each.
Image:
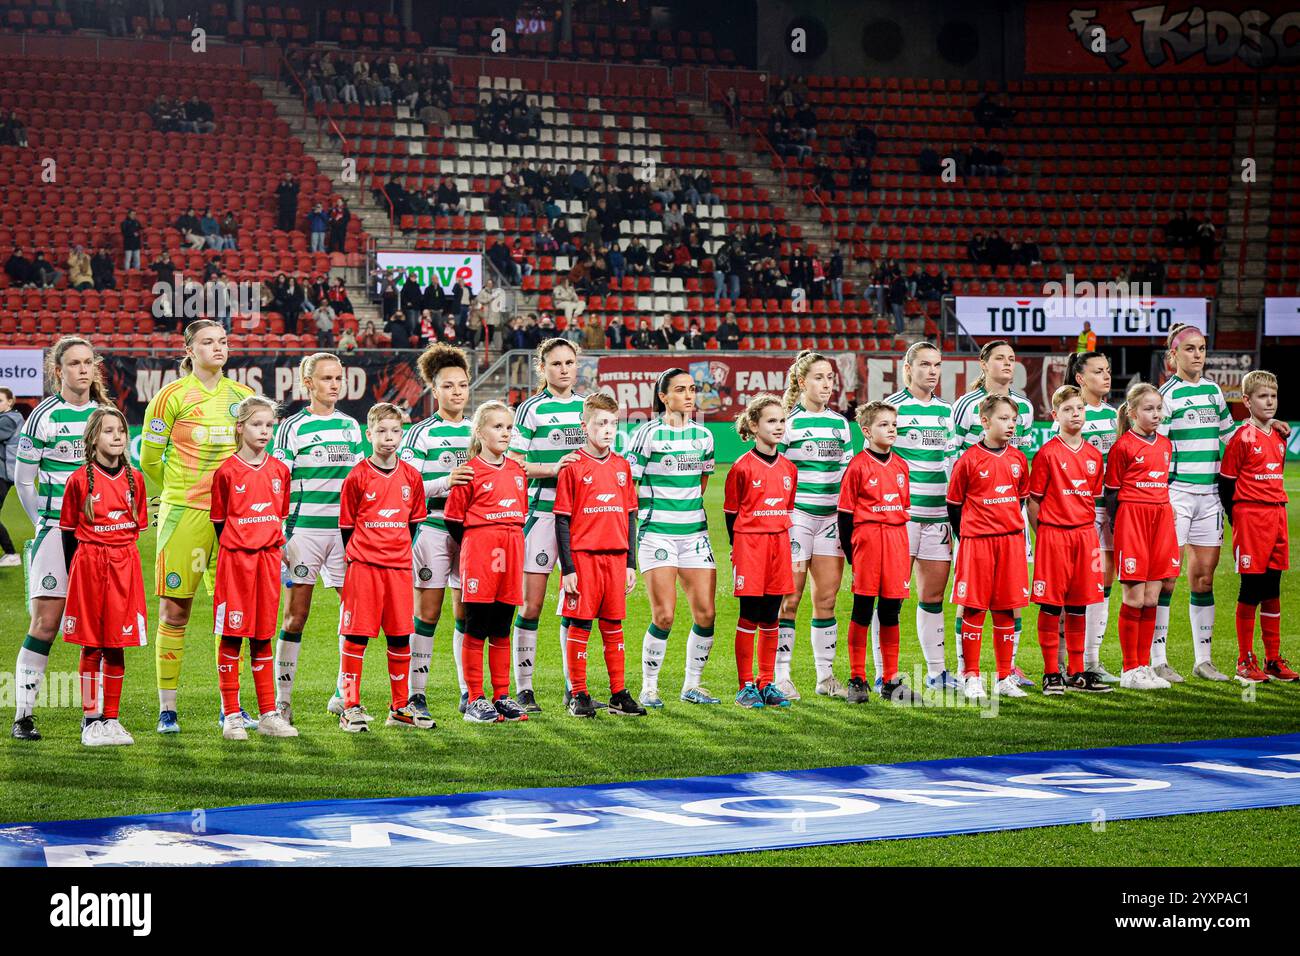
(50, 449)
(819, 442)
(997, 369)
(319, 444)
(671, 458)
(438, 448)
(1090, 373)
(547, 435)
(1197, 421)
(925, 442)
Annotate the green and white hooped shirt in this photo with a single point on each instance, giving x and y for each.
(53, 439)
(546, 429)
(966, 427)
(669, 464)
(925, 442)
(821, 446)
(434, 447)
(1197, 422)
(319, 450)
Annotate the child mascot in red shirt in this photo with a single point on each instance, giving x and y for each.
(485, 517)
(874, 500)
(988, 485)
(758, 500)
(595, 525)
(250, 503)
(381, 506)
(1254, 499)
(1146, 545)
(1064, 485)
(104, 510)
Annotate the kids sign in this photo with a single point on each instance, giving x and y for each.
(445, 268)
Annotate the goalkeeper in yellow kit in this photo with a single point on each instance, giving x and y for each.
(189, 430)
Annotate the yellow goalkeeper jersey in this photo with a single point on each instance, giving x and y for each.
(188, 432)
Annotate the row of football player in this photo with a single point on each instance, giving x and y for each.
(811, 382)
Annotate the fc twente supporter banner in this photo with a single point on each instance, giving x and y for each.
(447, 268)
(369, 377)
(1180, 36)
(724, 384)
(1111, 316)
(695, 816)
(1282, 316)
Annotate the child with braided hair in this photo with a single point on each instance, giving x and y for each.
(105, 509)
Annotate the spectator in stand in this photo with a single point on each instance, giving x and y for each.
(519, 257)
(411, 297)
(672, 218)
(728, 334)
(1207, 242)
(1087, 339)
(340, 216)
(200, 116)
(616, 262)
(977, 250)
(317, 223)
(928, 163)
(499, 255)
(593, 335)
(861, 142)
(210, 230)
(800, 270)
(12, 130)
(647, 339)
(989, 113)
(823, 178)
(187, 224)
(19, 269)
(818, 288)
(324, 318)
(897, 299)
(692, 340)
(1029, 252)
(638, 257)
(44, 275)
(433, 298)
(567, 300)
(131, 230)
(731, 107)
(369, 337)
(725, 281)
(229, 231)
(347, 343)
(338, 297)
(616, 333)
(101, 269)
(489, 309)
(80, 276)
(286, 198)
(462, 296)
(835, 272)
(389, 298)
(448, 201)
(1176, 230)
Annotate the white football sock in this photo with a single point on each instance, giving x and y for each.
(457, 642)
(525, 645)
(654, 645)
(29, 673)
(1159, 642)
(956, 639)
(784, 649)
(876, 657)
(338, 681)
(564, 653)
(1097, 616)
(825, 637)
(929, 631)
(286, 669)
(421, 659)
(1202, 617)
(699, 645)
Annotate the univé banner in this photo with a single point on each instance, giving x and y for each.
(1178, 36)
(445, 268)
(1111, 316)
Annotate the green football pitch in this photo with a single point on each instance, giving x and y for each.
(59, 779)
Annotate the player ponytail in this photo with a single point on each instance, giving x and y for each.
(1077, 364)
(480, 422)
(54, 369)
(438, 357)
(191, 332)
(910, 356)
(545, 349)
(95, 425)
(657, 404)
(307, 367)
(803, 364)
(747, 421)
(985, 353)
(1131, 399)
